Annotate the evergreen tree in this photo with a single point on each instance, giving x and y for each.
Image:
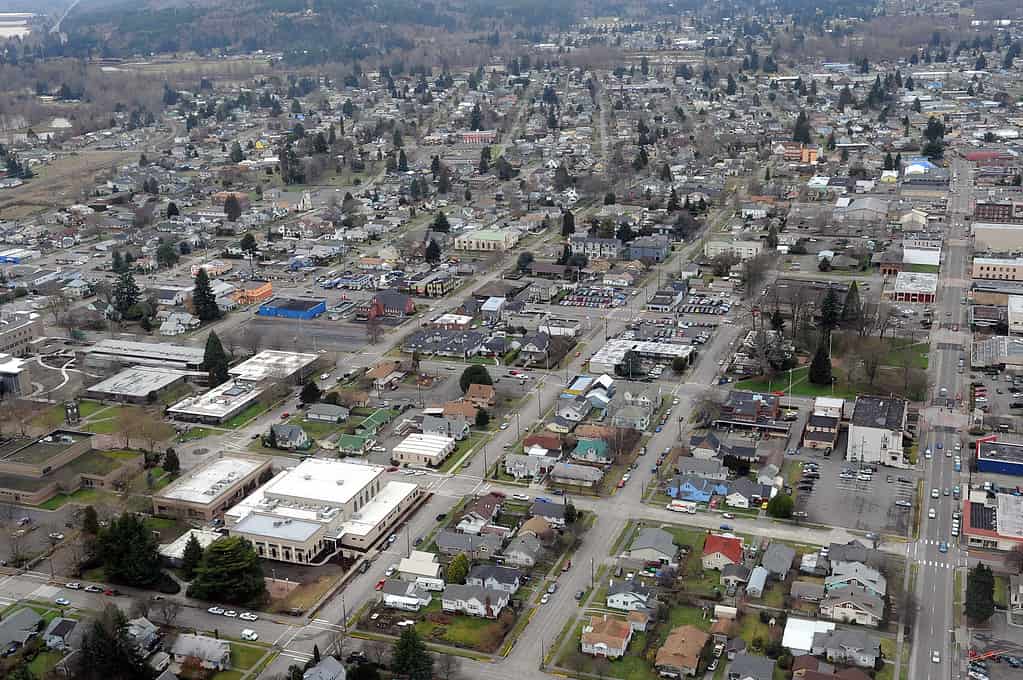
(440, 223)
(852, 309)
(214, 360)
(410, 659)
(229, 572)
(116, 262)
(172, 210)
(820, 367)
(673, 201)
(476, 118)
(457, 570)
(248, 243)
(801, 130)
(889, 162)
(108, 652)
(980, 594)
(126, 293)
(90, 521)
(402, 161)
(128, 551)
(237, 156)
(203, 300)
(310, 393)
(171, 464)
(567, 223)
(831, 311)
(232, 208)
(190, 558)
(432, 254)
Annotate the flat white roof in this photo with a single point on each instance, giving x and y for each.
(377, 510)
(913, 282)
(999, 261)
(220, 402)
(176, 548)
(138, 381)
(162, 351)
(799, 633)
(271, 363)
(205, 484)
(426, 444)
(323, 482)
(11, 365)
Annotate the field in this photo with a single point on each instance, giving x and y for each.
(62, 181)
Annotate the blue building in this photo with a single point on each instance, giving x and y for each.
(695, 489)
(654, 248)
(293, 308)
(1003, 458)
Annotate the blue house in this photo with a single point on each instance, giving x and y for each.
(654, 248)
(695, 489)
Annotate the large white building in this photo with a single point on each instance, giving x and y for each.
(876, 431)
(423, 449)
(318, 508)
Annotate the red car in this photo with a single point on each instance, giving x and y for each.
(393, 468)
(621, 483)
(285, 415)
(380, 584)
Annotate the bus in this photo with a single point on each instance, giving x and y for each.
(682, 506)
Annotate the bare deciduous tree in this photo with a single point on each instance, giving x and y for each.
(168, 610)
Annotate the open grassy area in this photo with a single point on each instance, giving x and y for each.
(460, 630)
(902, 351)
(923, 268)
(307, 594)
(82, 496)
(469, 442)
(245, 416)
(1002, 591)
(316, 429)
(244, 656)
(44, 662)
(87, 408)
(801, 385)
(50, 418)
(194, 433)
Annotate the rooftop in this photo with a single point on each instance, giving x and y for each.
(879, 412)
(206, 483)
(296, 304)
(138, 381)
(156, 351)
(36, 451)
(1007, 451)
(272, 363)
(913, 282)
(219, 402)
(286, 528)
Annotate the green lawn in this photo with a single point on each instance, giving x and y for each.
(630, 667)
(104, 426)
(1002, 591)
(902, 351)
(462, 631)
(195, 433)
(82, 496)
(44, 662)
(88, 407)
(801, 385)
(229, 675)
(51, 418)
(923, 268)
(316, 429)
(751, 628)
(683, 615)
(245, 416)
(469, 442)
(244, 656)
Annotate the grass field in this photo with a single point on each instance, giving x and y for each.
(82, 496)
(44, 662)
(244, 656)
(246, 415)
(801, 385)
(195, 433)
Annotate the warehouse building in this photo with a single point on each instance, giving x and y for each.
(997, 238)
(319, 508)
(138, 385)
(423, 449)
(207, 491)
(293, 308)
(112, 354)
(1002, 458)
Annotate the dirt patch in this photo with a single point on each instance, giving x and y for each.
(59, 183)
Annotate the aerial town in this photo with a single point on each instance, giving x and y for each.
(607, 340)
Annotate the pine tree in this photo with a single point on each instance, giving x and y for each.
(229, 572)
(214, 360)
(126, 293)
(310, 393)
(820, 367)
(831, 311)
(440, 223)
(567, 223)
(190, 558)
(236, 153)
(232, 208)
(116, 262)
(410, 659)
(801, 130)
(402, 161)
(852, 309)
(203, 300)
(432, 254)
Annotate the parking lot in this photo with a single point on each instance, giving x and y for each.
(595, 297)
(856, 503)
(998, 636)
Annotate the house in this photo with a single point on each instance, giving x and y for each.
(481, 396)
(523, 551)
(679, 656)
(777, 560)
(491, 577)
(734, 574)
(821, 431)
(705, 444)
(576, 475)
(479, 514)
(751, 667)
(606, 636)
(57, 634)
(18, 626)
(178, 323)
(461, 408)
(853, 647)
(632, 418)
(734, 648)
(536, 348)
(287, 436)
(853, 605)
(757, 582)
(720, 551)
(858, 575)
(144, 634)
(653, 545)
(210, 653)
(630, 596)
(592, 451)
(522, 466)
(406, 595)
(455, 427)
(484, 547)
(473, 600)
(695, 489)
(745, 493)
(329, 668)
(390, 303)
(326, 413)
(701, 467)
(573, 408)
(553, 513)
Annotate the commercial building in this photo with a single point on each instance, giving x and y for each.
(1003, 458)
(876, 431)
(271, 364)
(113, 354)
(252, 292)
(18, 330)
(915, 287)
(423, 449)
(320, 508)
(488, 239)
(989, 237)
(207, 491)
(1000, 269)
(15, 377)
(1008, 212)
(293, 308)
(744, 250)
(993, 521)
(34, 469)
(219, 404)
(612, 354)
(138, 385)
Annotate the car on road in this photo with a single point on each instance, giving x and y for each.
(799, 514)
(12, 649)
(216, 611)
(111, 592)
(725, 527)
(658, 429)
(380, 584)
(93, 589)
(545, 599)
(57, 536)
(928, 455)
(356, 657)
(392, 538)
(74, 585)
(520, 496)
(62, 601)
(902, 503)
(935, 493)
(552, 588)
(390, 570)
(728, 515)
(504, 426)
(231, 614)
(626, 477)
(441, 517)
(621, 483)
(250, 635)
(935, 657)
(932, 513)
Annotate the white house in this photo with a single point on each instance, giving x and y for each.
(474, 600)
(876, 431)
(406, 595)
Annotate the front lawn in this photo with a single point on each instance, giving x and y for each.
(44, 662)
(245, 416)
(633, 666)
(194, 433)
(244, 656)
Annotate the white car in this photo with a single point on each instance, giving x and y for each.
(250, 635)
(545, 599)
(217, 611)
(390, 570)
(504, 426)
(247, 616)
(520, 497)
(932, 513)
(231, 614)
(927, 454)
(74, 585)
(62, 601)
(935, 493)
(935, 657)
(324, 376)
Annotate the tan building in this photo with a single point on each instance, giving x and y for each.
(423, 449)
(487, 239)
(208, 491)
(18, 330)
(997, 238)
(1001, 269)
(744, 250)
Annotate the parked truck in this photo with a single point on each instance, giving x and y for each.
(682, 506)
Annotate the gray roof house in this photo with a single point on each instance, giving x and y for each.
(144, 634)
(554, 513)
(523, 551)
(520, 465)
(577, 475)
(630, 596)
(18, 626)
(327, 413)
(734, 574)
(474, 600)
(455, 426)
(211, 653)
(329, 668)
(853, 605)
(778, 559)
(407, 595)
(751, 667)
(653, 545)
(57, 633)
(708, 468)
(757, 582)
(632, 417)
(485, 546)
(807, 591)
(853, 647)
(492, 577)
(856, 574)
(288, 436)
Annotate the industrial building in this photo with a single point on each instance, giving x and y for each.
(423, 449)
(113, 354)
(876, 431)
(319, 508)
(207, 491)
(272, 364)
(293, 308)
(990, 237)
(138, 385)
(1002, 458)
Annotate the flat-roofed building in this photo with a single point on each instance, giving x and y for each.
(15, 377)
(18, 330)
(271, 364)
(207, 491)
(1015, 317)
(999, 269)
(915, 287)
(138, 384)
(219, 404)
(488, 239)
(319, 508)
(991, 237)
(423, 449)
(111, 354)
(744, 250)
